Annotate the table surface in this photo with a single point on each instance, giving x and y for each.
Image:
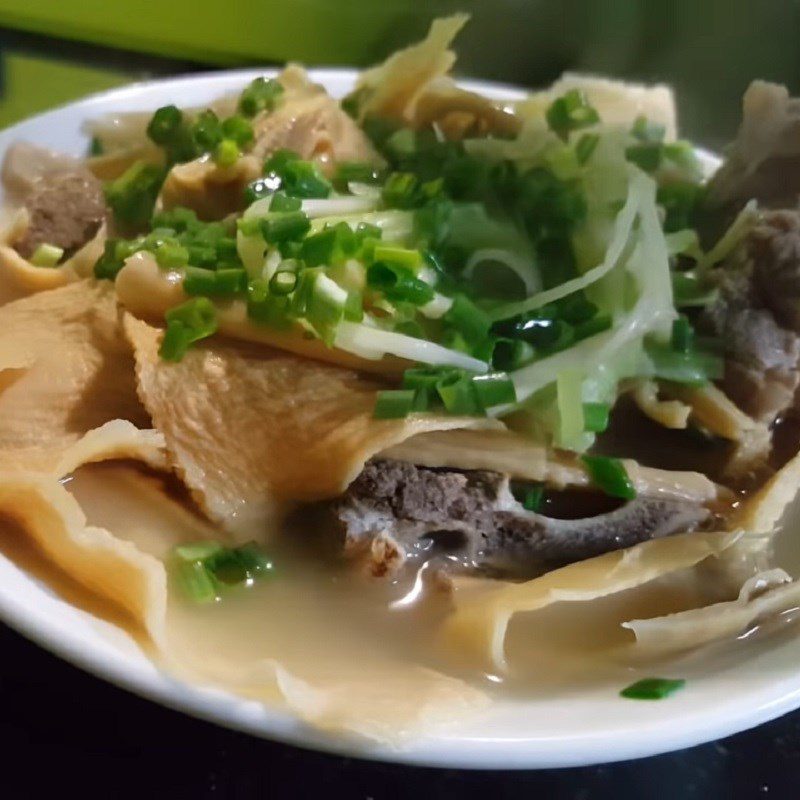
(90, 735)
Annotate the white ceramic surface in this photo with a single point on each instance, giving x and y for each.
(589, 726)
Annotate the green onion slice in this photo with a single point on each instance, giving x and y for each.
(610, 475)
(653, 688)
(394, 404)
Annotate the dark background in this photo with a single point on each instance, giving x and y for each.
(63, 732)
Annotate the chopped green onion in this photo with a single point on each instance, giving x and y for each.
(401, 190)
(511, 354)
(171, 255)
(47, 255)
(238, 129)
(585, 146)
(226, 153)
(189, 322)
(394, 404)
(646, 131)
(249, 226)
(679, 200)
(468, 319)
(133, 195)
(176, 341)
(267, 308)
(258, 189)
(285, 226)
(494, 389)
(357, 172)
(689, 290)
(399, 284)
(595, 417)
(682, 335)
(695, 368)
(260, 95)
(253, 558)
(354, 306)
(645, 156)
(458, 395)
(204, 570)
(297, 178)
(164, 124)
(424, 377)
(570, 112)
(653, 688)
(206, 130)
(317, 249)
(283, 282)
(197, 582)
(215, 283)
(532, 500)
(610, 475)
(196, 551)
(181, 220)
(397, 255)
(325, 306)
(168, 129)
(282, 202)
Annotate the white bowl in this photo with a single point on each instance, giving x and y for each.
(583, 727)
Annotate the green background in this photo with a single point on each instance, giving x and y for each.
(53, 51)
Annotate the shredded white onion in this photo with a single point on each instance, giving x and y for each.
(623, 229)
(437, 307)
(521, 266)
(251, 250)
(374, 343)
(364, 189)
(337, 206)
(653, 311)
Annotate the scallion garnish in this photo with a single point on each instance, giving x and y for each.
(570, 112)
(653, 688)
(187, 323)
(689, 290)
(458, 395)
(226, 153)
(610, 475)
(595, 417)
(357, 172)
(695, 367)
(283, 282)
(238, 129)
(205, 570)
(645, 156)
(285, 226)
(282, 202)
(133, 195)
(532, 500)
(494, 389)
(260, 95)
(585, 146)
(296, 177)
(171, 255)
(468, 319)
(399, 284)
(394, 404)
(682, 335)
(47, 255)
